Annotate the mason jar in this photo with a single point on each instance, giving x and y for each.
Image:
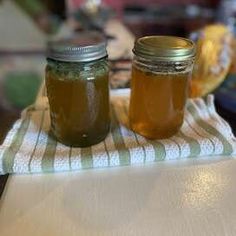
(78, 90)
(161, 71)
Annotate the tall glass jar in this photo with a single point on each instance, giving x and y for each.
(77, 89)
(162, 67)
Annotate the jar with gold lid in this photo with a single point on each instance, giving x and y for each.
(161, 71)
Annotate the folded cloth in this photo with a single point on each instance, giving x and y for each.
(29, 149)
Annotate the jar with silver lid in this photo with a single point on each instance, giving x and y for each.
(77, 89)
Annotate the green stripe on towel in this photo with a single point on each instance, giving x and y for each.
(195, 148)
(39, 132)
(49, 154)
(86, 158)
(11, 151)
(210, 129)
(124, 154)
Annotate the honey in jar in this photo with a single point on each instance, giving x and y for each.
(78, 91)
(161, 71)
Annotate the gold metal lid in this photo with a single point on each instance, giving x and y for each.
(167, 48)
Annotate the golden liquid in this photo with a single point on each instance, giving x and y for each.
(157, 103)
(79, 109)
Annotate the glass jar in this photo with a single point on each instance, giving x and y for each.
(78, 90)
(161, 70)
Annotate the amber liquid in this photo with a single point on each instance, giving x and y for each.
(79, 109)
(157, 103)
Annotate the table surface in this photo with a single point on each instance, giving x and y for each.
(192, 197)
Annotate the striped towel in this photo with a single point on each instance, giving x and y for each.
(28, 148)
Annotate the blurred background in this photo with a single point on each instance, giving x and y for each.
(27, 25)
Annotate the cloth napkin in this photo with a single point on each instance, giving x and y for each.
(29, 149)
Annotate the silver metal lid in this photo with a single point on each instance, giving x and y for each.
(82, 47)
